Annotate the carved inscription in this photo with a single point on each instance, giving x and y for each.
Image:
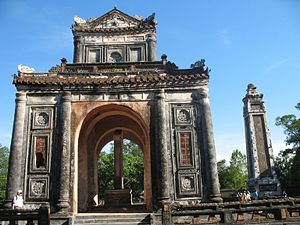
(262, 146)
(41, 143)
(185, 149)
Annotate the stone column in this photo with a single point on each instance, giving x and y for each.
(63, 201)
(151, 48)
(77, 58)
(118, 159)
(201, 101)
(162, 146)
(16, 157)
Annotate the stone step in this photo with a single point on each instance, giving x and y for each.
(113, 219)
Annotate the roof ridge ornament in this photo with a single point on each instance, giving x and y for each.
(200, 64)
(25, 69)
(79, 20)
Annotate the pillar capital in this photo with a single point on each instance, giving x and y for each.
(66, 96)
(200, 94)
(160, 94)
(20, 96)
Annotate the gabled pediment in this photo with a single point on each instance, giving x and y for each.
(112, 19)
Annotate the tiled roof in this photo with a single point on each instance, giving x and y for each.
(100, 24)
(142, 79)
(140, 28)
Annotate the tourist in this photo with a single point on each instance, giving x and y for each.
(18, 200)
(248, 196)
(255, 195)
(284, 194)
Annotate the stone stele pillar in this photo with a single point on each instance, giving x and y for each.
(16, 157)
(261, 170)
(162, 146)
(63, 201)
(201, 101)
(118, 159)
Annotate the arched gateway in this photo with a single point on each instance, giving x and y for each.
(103, 123)
(115, 89)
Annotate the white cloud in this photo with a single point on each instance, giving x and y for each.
(276, 65)
(225, 144)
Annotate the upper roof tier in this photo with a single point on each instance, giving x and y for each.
(119, 76)
(114, 37)
(114, 21)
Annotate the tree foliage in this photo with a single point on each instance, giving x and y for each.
(133, 170)
(288, 160)
(234, 175)
(4, 154)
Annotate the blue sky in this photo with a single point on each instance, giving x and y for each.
(243, 42)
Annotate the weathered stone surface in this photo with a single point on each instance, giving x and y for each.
(17, 153)
(73, 110)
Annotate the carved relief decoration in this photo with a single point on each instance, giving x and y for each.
(183, 115)
(42, 118)
(38, 187)
(187, 184)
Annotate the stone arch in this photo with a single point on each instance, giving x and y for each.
(97, 129)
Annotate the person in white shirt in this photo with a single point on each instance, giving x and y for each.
(18, 200)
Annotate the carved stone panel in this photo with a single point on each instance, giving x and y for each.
(38, 187)
(42, 118)
(40, 151)
(187, 184)
(183, 116)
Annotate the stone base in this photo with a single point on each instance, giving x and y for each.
(118, 197)
(265, 187)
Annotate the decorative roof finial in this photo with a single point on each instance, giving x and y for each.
(164, 59)
(115, 6)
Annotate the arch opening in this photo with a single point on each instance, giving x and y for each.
(133, 170)
(112, 123)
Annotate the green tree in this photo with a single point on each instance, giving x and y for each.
(223, 173)
(288, 161)
(133, 170)
(233, 176)
(4, 154)
(105, 172)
